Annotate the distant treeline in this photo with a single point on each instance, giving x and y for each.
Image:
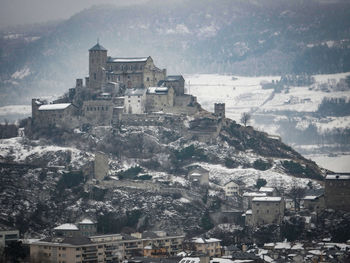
(334, 107)
(311, 135)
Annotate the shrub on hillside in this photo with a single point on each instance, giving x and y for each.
(261, 165)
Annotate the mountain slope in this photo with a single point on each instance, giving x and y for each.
(241, 37)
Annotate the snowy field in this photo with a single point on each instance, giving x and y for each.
(339, 163)
(245, 94)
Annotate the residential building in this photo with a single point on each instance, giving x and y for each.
(270, 191)
(232, 188)
(104, 248)
(267, 210)
(199, 175)
(337, 191)
(210, 247)
(8, 235)
(66, 250)
(248, 197)
(67, 230)
(87, 227)
(314, 203)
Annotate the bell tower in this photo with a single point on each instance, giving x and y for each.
(97, 66)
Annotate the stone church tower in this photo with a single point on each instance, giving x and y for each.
(97, 66)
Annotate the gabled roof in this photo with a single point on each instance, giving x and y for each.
(97, 47)
(266, 189)
(253, 194)
(267, 199)
(127, 60)
(66, 227)
(86, 221)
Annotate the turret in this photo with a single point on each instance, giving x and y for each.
(97, 65)
(219, 110)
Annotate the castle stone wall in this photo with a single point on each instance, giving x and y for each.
(97, 112)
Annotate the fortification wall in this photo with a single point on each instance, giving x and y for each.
(151, 119)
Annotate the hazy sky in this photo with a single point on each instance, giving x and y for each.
(16, 12)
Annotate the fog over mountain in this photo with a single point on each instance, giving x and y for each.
(238, 37)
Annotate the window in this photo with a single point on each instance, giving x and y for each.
(147, 78)
(95, 76)
(267, 211)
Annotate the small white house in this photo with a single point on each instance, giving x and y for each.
(199, 175)
(270, 191)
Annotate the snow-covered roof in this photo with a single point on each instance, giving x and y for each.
(128, 60)
(338, 177)
(282, 245)
(57, 106)
(195, 174)
(86, 221)
(266, 189)
(253, 194)
(135, 92)
(267, 199)
(310, 197)
(157, 90)
(298, 246)
(66, 227)
(201, 240)
(190, 260)
(249, 212)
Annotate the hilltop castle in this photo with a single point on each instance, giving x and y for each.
(116, 90)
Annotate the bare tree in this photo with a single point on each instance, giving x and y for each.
(245, 118)
(296, 193)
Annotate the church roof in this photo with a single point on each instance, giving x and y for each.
(97, 47)
(126, 60)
